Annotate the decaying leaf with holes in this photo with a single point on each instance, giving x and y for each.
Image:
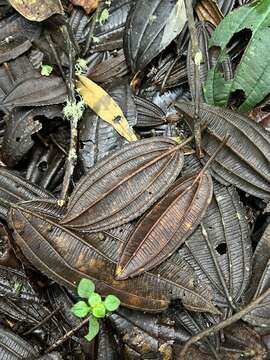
(244, 159)
(105, 107)
(219, 250)
(37, 10)
(166, 226)
(124, 185)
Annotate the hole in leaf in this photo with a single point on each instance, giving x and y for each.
(81, 144)
(237, 98)
(221, 248)
(43, 166)
(238, 43)
(18, 139)
(117, 120)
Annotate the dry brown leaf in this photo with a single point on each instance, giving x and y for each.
(207, 10)
(37, 10)
(88, 5)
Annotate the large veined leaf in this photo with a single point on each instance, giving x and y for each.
(220, 249)
(244, 159)
(124, 185)
(66, 258)
(166, 226)
(252, 74)
(151, 26)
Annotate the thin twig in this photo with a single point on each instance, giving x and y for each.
(43, 321)
(213, 329)
(72, 153)
(68, 335)
(196, 55)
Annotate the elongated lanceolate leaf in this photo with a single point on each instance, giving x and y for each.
(166, 226)
(66, 258)
(252, 74)
(124, 185)
(244, 159)
(151, 26)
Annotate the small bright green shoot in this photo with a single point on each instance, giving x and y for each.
(104, 16)
(46, 70)
(95, 307)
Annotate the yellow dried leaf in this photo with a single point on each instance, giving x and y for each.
(105, 107)
(37, 10)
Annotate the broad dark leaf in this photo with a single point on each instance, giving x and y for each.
(13, 347)
(166, 226)
(204, 32)
(260, 282)
(148, 114)
(124, 185)
(109, 36)
(14, 188)
(66, 258)
(16, 36)
(21, 124)
(151, 26)
(107, 71)
(154, 325)
(220, 249)
(244, 159)
(107, 347)
(97, 137)
(36, 91)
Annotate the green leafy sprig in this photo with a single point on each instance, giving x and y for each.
(95, 306)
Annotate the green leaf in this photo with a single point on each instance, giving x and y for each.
(86, 288)
(104, 16)
(94, 299)
(46, 70)
(99, 310)
(252, 74)
(80, 309)
(111, 303)
(93, 329)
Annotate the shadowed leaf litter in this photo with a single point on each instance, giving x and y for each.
(134, 171)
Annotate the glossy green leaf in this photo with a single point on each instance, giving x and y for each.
(99, 310)
(80, 309)
(94, 299)
(86, 288)
(252, 74)
(111, 303)
(93, 329)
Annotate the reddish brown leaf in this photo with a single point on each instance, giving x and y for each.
(166, 226)
(124, 185)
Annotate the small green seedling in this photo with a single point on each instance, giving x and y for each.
(94, 306)
(46, 70)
